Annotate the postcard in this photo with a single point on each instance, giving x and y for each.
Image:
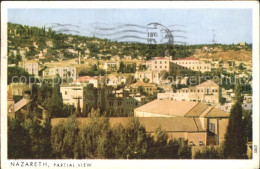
(129, 85)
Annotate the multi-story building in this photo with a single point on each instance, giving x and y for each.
(159, 64)
(31, 66)
(207, 92)
(63, 72)
(150, 75)
(72, 94)
(191, 63)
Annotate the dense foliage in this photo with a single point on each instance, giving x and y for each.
(96, 140)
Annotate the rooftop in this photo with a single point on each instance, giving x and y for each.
(181, 109)
(208, 83)
(141, 83)
(86, 79)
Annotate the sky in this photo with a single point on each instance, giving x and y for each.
(201, 26)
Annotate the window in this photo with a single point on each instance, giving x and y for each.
(155, 66)
(191, 143)
(155, 62)
(66, 93)
(160, 62)
(165, 62)
(212, 127)
(111, 103)
(160, 66)
(165, 67)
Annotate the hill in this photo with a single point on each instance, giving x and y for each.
(47, 45)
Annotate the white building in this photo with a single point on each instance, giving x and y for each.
(32, 67)
(191, 64)
(159, 64)
(63, 72)
(95, 80)
(207, 92)
(71, 94)
(151, 76)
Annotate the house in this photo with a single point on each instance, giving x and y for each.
(142, 87)
(149, 75)
(115, 79)
(31, 66)
(19, 89)
(105, 98)
(247, 102)
(201, 124)
(19, 108)
(191, 63)
(159, 64)
(111, 65)
(207, 92)
(63, 72)
(95, 80)
(72, 94)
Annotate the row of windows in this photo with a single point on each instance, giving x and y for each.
(161, 62)
(146, 76)
(64, 70)
(198, 90)
(161, 67)
(204, 101)
(136, 103)
(198, 67)
(188, 62)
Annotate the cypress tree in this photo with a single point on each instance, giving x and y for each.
(235, 142)
(57, 103)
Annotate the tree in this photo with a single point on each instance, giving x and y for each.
(65, 139)
(130, 79)
(121, 67)
(19, 143)
(56, 104)
(39, 135)
(209, 153)
(78, 109)
(235, 142)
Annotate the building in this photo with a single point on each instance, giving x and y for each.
(95, 80)
(159, 64)
(63, 72)
(17, 109)
(115, 79)
(19, 89)
(191, 63)
(247, 102)
(111, 65)
(72, 94)
(31, 66)
(207, 92)
(201, 124)
(105, 98)
(142, 87)
(148, 75)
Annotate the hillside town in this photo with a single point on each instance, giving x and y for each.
(188, 95)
